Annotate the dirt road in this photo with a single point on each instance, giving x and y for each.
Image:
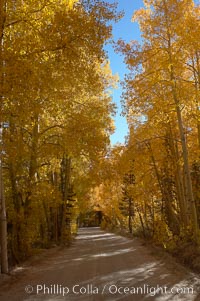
(102, 266)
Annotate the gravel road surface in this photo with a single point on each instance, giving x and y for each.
(101, 266)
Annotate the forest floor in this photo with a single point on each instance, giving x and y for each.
(101, 266)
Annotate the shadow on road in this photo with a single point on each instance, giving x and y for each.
(104, 266)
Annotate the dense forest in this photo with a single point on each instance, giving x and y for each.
(56, 116)
(56, 161)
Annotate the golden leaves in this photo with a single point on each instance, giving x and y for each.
(56, 98)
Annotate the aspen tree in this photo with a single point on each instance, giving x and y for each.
(155, 84)
(3, 218)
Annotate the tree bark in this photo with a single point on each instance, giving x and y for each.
(3, 221)
(4, 255)
(187, 175)
(178, 178)
(65, 218)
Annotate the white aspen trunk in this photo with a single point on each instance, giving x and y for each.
(189, 191)
(178, 180)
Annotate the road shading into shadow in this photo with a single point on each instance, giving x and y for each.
(104, 266)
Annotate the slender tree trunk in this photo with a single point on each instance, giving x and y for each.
(2, 25)
(3, 222)
(189, 192)
(166, 196)
(130, 214)
(65, 219)
(187, 175)
(141, 221)
(34, 148)
(148, 144)
(188, 183)
(196, 72)
(178, 179)
(3, 235)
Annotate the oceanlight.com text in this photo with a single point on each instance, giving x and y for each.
(108, 289)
